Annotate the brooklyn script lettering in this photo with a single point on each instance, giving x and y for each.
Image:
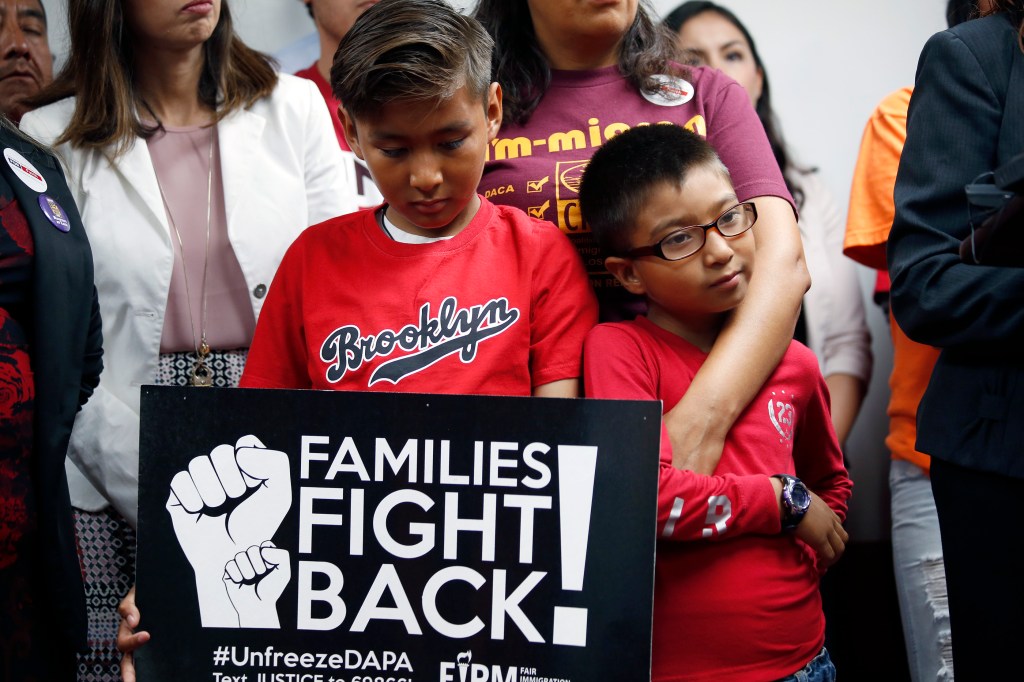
(454, 330)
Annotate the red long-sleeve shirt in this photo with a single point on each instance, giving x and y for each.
(734, 598)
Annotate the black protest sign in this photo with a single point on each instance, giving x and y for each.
(320, 536)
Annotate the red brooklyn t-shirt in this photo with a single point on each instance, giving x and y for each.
(499, 309)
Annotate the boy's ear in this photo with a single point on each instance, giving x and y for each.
(348, 126)
(625, 271)
(494, 111)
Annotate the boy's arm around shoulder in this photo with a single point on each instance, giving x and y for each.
(563, 310)
(691, 506)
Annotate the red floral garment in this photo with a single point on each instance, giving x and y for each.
(17, 390)
(17, 397)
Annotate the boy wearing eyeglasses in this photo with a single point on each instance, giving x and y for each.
(740, 549)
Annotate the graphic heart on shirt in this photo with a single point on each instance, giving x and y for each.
(783, 416)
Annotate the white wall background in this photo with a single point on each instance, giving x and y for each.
(829, 61)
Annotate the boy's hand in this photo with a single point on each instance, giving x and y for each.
(128, 640)
(823, 531)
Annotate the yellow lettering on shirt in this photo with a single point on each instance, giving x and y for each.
(593, 136)
(698, 125)
(498, 191)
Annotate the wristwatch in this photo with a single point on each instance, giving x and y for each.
(795, 500)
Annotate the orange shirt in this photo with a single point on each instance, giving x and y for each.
(871, 211)
(912, 364)
(867, 230)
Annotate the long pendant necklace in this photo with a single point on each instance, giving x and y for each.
(201, 374)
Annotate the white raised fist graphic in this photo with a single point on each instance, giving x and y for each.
(254, 580)
(223, 504)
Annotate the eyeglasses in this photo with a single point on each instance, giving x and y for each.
(687, 241)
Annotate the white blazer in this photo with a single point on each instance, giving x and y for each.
(282, 171)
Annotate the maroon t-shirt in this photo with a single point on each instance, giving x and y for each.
(537, 167)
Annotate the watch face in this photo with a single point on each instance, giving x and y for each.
(801, 496)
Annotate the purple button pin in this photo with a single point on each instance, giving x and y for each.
(54, 213)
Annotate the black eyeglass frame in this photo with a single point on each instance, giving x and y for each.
(657, 250)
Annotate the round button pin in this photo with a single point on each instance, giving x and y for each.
(671, 92)
(25, 171)
(54, 213)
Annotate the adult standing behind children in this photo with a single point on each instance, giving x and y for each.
(574, 74)
(832, 321)
(963, 123)
(194, 166)
(334, 19)
(736, 579)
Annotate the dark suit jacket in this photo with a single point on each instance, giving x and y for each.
(966, 118)
(65, 340)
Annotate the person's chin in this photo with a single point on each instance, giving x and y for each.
(735, 297)
(434, 213)
(17, 88)
(438, 215)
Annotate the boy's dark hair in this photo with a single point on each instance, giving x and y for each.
(410, 50)
(623, 172)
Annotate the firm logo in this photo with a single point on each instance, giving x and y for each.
(464, 670)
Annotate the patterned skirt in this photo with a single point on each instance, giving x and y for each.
(106, 543)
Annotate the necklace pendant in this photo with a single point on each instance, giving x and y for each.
(202, 376)
(204, 350)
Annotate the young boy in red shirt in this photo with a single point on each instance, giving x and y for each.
(741, 548)
(437, 290)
